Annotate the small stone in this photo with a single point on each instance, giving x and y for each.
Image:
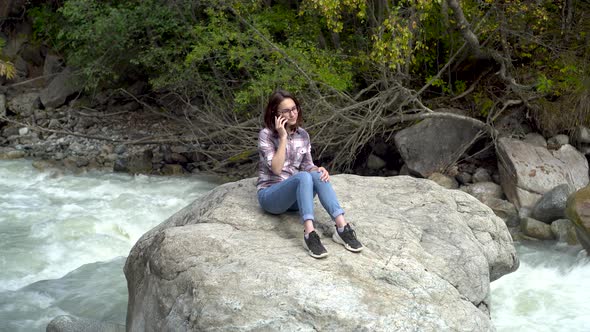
(555, 142)
(120, 149)
(444, 181)
(463, 178)
(484, 190)
(179, 149)
(535, 139)
(107, 149)
(172, 169)
(23, 131)
(374, 162)
(482, 175)
(582, 135)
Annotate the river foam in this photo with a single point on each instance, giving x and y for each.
(62, 239)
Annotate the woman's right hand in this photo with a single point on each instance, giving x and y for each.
(280, 123)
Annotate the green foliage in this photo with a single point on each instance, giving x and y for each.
(483, 104)
(6, 67)
(544, 84)
(231, 54)
(46, 25)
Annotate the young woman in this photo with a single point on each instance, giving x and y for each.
(288, 178)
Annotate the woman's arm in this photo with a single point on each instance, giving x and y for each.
(278, 160)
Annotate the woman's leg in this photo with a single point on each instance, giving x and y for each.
(279, 197)
(344, 234)
(328, 199)
(298, 189)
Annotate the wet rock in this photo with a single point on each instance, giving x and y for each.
(578, 212)
(552, 205)
(536, 229)
(564, 231)
(139, 163)
(172, 169)
(11, 154)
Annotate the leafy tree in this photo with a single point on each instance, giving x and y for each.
(362, 67)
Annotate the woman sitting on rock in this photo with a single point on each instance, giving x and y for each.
(288, 180)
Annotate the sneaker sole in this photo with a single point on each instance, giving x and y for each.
(312, 254)
(338, 240)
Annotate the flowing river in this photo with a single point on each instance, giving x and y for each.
(64, 239)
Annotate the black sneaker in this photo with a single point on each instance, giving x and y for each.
(348, 239)
(314, 245)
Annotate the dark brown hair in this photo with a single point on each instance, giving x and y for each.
(276, 98)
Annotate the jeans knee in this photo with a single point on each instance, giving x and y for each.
(315, 176)
(305, 178)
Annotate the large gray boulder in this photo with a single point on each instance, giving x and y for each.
(59, 89)
(23, 104)
(434, 144)
(527, 171)
(222, 264)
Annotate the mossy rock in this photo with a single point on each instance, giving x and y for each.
(578, 211)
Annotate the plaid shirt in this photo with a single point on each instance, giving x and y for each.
(297, 156)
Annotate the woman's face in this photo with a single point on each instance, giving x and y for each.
(288, 110)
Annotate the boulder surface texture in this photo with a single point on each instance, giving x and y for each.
(434, 144)
(527, 171)
(222, 264)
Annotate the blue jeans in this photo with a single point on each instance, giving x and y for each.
(297, 193)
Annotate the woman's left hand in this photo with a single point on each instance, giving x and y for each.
(324, 175)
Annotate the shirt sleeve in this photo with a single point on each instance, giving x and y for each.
(266, 147)
(307, 162)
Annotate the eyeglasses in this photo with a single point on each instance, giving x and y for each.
(292, 110)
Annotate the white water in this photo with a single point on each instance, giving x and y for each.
(63, 240)
(548, 293)
(63, 243)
